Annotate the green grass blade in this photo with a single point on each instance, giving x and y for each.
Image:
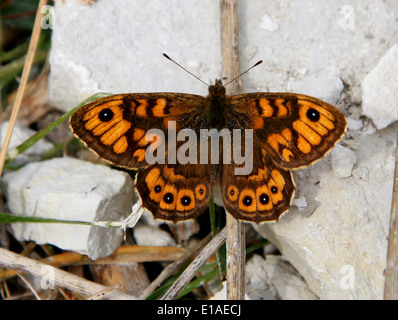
(12, 218)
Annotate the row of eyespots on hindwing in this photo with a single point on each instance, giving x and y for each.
(263, 197)
(169, 197)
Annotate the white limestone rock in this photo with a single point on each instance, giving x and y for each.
(147, 235)
(274, 278)
(380, 90)
(326, 89)
(340, 248)
(354, 124)
(117, 48)
(21, 133)
(343, 160)
(70, 189)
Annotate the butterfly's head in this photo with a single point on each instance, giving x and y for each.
(217, 90)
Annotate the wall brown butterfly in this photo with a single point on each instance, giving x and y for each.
(290, 131)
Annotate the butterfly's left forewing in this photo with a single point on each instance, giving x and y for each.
(294, 129)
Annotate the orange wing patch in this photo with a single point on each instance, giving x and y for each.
(266, 108)
(247, 200)
(142, 108)
(200, 192)
(114, 133)
(159, 108)
(275, 107)
(121, 145)
(185, 200)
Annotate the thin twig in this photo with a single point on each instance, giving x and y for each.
(194, 267)
(28, 285)
(391, 281)
(24, 80)
(59, 277)
(173, 267)
(123, 255)
(236, 237)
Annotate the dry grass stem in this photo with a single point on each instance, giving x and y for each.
(125, 254)
(24, 80)
(194, 267)
(231, 67)
(391, 281)
(59, 277)
(173, 267)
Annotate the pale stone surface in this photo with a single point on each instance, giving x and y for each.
(275, 278)
(118, 48)
(272, 278)
(380, 90)
(146, 235)
(20, 134)
(343, 160)
(326, 89)
(70, 189)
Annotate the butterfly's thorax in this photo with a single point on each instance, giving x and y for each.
(216, 106)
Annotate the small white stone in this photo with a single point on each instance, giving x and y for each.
(20, 134)
(343, 160)
(300, 203)
(152, 236)
(267, 23)
(380, 90)
(326, 89)
(72, 190)
(275, 277)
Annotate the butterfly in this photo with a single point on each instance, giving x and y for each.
(288, 131)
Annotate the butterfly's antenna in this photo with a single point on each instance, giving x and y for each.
(166, 56)
(255, 65)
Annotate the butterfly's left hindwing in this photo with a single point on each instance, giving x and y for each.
(114, 127)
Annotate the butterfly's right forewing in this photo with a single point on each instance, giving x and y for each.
(115, 127)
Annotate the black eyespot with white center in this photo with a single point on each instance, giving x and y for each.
(185, 201)
(313, 115)
(158, 188)
(168, 198)
(247, 201)
(264, 198)
(106, 115)
(274, 189)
